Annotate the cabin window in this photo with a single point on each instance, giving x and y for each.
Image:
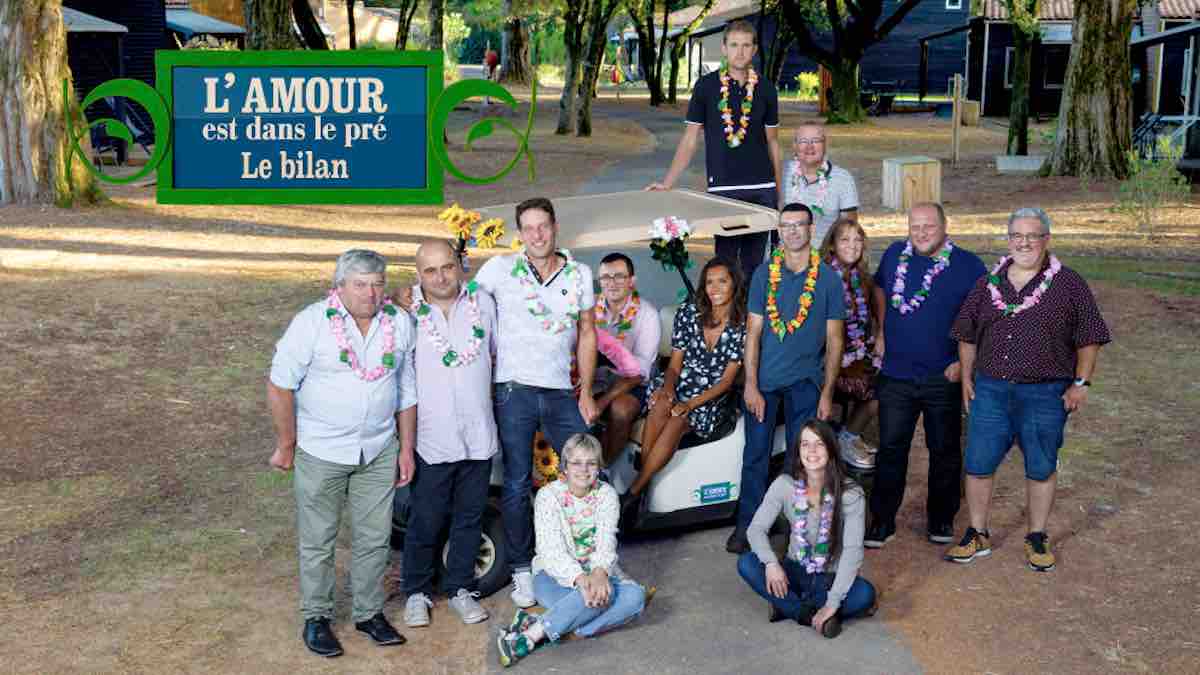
(1054, 70)
(953, 4)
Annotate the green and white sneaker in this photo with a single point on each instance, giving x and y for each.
(513, 647)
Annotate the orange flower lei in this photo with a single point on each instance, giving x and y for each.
(734, 139)
(775, 275)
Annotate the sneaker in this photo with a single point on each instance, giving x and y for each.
(855, 451)
(513, 647)
(521, 621)
(416, 610)
(832, 627)
(737, 542)
(974, 544)
(1037, 551)
(941, 534)
(878, 535)
(467, 608)
(522, 592)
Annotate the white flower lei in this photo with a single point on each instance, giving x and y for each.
(533, 300)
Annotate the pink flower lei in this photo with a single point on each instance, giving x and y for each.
(858, 320)
(533, 301)
(941, 263)
(580, 513)
(450, 357)
(1034, 298)
(813, 557)
(338, 324)
(799, 180)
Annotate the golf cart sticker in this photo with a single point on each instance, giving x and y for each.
(713, 493)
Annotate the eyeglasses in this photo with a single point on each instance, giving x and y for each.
(584, 466)
(793, 226)
(809, 141)
(1018, 238)
(613, 278)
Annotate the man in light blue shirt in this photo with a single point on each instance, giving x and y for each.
(341, 382)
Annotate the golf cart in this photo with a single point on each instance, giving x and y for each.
(701, 482)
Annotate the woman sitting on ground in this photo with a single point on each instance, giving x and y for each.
(845, 249)
(707, 344)
(818, 583)
(576, 576)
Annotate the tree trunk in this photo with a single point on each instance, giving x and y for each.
(662, 43)
(676, 55)
(407, 12)
(1018, 109)
(350, 24)
(597, 40)
(514, 49)
(845, 105)
(436, 11)
(1095, 120)
(310, 30)
(575, 15)
(36, 162)
(641, 13)
(268, 24)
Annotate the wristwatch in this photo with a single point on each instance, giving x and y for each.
(1080, 382)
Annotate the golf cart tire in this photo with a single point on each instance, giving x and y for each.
(491, 561)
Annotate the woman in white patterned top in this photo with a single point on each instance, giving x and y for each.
(576, 576)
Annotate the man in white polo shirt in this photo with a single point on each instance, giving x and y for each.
(544, 299)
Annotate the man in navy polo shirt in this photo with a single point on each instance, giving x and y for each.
(791, 358)
(737, 110)
(919, 286)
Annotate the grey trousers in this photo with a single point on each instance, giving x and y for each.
(322, 488)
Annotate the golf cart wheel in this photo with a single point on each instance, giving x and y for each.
(491, 560)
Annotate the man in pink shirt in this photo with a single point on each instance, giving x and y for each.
(634, 321)
(456, 432)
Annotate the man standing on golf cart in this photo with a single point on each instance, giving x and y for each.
(794, 337)
(738, 114)
(544, 300)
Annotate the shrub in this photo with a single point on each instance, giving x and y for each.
(1153, 183)
(807, 85)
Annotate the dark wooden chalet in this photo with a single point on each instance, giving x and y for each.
(990, 53)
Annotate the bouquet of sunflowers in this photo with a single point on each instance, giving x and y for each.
(545, 461)
(467, 230)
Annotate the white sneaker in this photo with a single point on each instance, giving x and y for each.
(522, 592)
(855, 450)
(468, 609)
(416, 610)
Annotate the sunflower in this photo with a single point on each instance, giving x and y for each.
(545, 462)
(490, 232)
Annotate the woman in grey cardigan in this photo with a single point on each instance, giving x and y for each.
(817, 583)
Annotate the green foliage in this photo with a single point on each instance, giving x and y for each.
(807, 86)
(1153, 183)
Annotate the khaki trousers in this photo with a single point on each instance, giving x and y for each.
(322, 488)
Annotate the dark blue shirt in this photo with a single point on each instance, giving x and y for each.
(918, 344)
(799, 356)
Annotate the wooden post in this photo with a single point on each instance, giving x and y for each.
(956, 116)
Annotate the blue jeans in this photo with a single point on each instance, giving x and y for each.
(801, 401)
(567, 613)
(1030, 413)
(520, 411)
(806, 592)
(453, 492)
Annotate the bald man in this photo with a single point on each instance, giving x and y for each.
(456, 432)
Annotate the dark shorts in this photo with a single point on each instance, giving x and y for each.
(1031, 414)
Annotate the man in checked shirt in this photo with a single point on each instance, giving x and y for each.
(1028, 336)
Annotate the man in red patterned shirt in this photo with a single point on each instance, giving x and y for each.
(1028, 336)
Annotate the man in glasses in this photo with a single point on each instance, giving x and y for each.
(794, 336)
(635, 323)
(810, 178)
(1028, 337)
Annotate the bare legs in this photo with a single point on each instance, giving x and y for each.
(862, 415)
(659, 441)
(622, 413)
(1039, 495)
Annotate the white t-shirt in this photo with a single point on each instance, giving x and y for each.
(527, 353)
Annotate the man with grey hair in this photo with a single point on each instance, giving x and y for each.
(1028, 337)
(341, 383)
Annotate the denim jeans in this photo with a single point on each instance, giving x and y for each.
(1030, 413)
(805, 591)
(901, 402)
(800, 401)
(567, 613)
(520, 411)
(454, 491)
(747, 249)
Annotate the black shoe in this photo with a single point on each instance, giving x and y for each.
(941, 534)
(380, 631)
(832, 627)
(878, 535)
(631, 509)
(773, 613)
(319, 638)
(737, 542)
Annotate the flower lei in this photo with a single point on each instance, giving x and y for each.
(622, 322)
(580, 513)
(814, 556)
(533, 300)
(775, 275)
(734, 139)
(911, 305)
(1034, 298)
(451, 358)
(858, 318)
(799, 180)
(338, 324)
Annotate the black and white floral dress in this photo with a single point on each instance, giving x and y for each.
(702, 368)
